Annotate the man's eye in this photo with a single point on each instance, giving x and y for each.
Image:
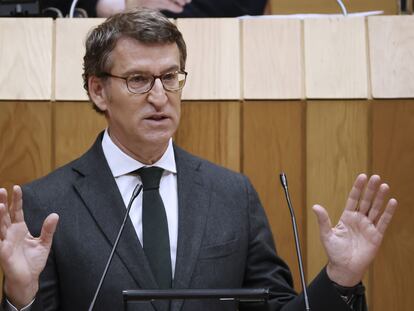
(139, 79)
(169, 76)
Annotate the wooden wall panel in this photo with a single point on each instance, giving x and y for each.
(76, 126)
(25, 148)
(25, 135)
(213, 63)
(335, 58)
(211, 130)
(274, 141)
(391, 44)
(337, 139)
(324, 6)
(70, 49)
(26, 58)
(393, 159)
(275, 70)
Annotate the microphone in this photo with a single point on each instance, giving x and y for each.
(283, 181)
(135, 193)
(72, 8)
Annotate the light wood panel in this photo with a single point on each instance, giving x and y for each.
(213, 62)
(331, 6)
(335, 58)
(76, 126)
(211, 130)
(70, 49)
(26, 58)
(393, 158)
(391, 43)
(337, 139)
(272, 59)
(274, 141)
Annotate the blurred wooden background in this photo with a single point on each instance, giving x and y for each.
(331, 6)
(321, 99)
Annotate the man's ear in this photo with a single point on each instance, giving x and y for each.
(97, 92)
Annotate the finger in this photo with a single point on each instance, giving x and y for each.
(325, 225)
(355, 193)
(378, 202)
(48, 229)
(172, 6)
(4, 216)
(4, 221)
(3, 196)
(180, 2)
(369, 193)
(16, 207)
(386, 217)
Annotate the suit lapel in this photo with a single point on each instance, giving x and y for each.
(193, 205)
(99, 192)
(101, 196)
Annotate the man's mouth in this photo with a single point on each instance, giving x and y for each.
(157, 117)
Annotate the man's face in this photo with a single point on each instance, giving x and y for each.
(141, 121)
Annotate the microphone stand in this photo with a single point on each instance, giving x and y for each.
(283, 181)
(135, 193)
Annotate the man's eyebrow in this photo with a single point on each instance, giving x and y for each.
(146, 72)
(171, 68)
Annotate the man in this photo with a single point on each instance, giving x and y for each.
(186, 8)
(205, 226)
(171, 8)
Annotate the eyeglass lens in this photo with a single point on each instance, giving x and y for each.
(141, 83)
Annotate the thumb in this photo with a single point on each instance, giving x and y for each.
(323, 220)
(49, 228)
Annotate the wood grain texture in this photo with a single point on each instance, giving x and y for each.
(323, 6)
(70, 49)
(393, 158)
(391, 44)
(335, 58)
(337, 151)
(213, 63)
(76, 126)
(272, 59)
(26, 58)
(25, 135)
(211, 130)
(274, 141)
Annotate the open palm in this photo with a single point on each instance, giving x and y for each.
(22, 256)
(353, 243)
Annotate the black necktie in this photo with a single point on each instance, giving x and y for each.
(155, 236)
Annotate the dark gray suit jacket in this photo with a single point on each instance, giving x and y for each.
(224, 240)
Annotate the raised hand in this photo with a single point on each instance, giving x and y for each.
(22, 257)
(353, 243)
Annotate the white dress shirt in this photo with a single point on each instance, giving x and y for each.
(122, 165)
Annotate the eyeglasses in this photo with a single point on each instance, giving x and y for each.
(140, 83)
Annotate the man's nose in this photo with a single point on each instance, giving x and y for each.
(157, 95)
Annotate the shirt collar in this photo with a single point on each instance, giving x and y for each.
(121, 164)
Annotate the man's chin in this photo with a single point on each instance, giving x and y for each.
(159, 138)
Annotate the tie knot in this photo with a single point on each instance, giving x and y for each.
(150, 177)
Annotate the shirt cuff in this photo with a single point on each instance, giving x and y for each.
(351, 295)
(10, 307)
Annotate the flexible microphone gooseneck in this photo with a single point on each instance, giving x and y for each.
(135, 193)
(283, 181)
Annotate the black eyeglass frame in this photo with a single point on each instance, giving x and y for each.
(151, 85)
